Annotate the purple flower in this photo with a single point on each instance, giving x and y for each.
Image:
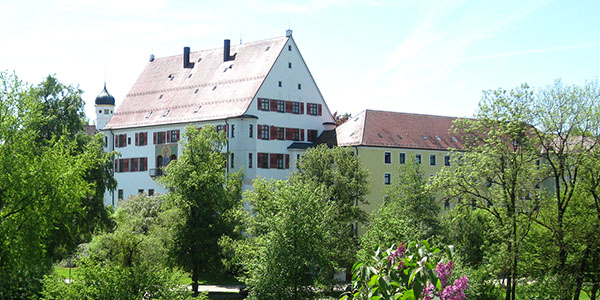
(444, 271)
(399, 253)
(456, 291)
(427, 292)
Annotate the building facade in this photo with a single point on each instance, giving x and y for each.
(261, 94)
(385, 140)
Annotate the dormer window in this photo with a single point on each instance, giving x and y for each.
(197, 109)
(166, 113)
(148, 115)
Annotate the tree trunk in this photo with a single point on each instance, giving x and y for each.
(508, 287)
(195, 281)
(563, 274)
(581, 273)
(594, 291)
(515, 252)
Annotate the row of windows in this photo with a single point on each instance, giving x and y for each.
(387, 158)
(141, 138)
(293, 107)
(266, 132)
(140, 191)
(137, 164)
(387, 178)
(271, 161)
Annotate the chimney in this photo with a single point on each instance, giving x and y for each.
(186, 58)
(288, 33)
(226, 51)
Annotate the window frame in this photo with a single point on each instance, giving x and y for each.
(432, 159)
(387, 157)
(418, 158)
(447, 160)
(402, 158)
(387, 178)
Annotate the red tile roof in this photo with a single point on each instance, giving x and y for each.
(220, 89)
(398, 130)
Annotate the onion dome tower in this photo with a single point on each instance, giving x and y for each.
(105, 105)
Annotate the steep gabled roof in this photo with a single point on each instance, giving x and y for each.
(167, 93)
(398, 130)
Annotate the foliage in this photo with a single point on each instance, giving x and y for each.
(207, 200)
(499, 171)
(409, 212)
(345, 180)
(407, 272)
(99, 281)
(44, 191)
(286, 252)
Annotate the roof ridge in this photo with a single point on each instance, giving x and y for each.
(417, 114)
(219, 48)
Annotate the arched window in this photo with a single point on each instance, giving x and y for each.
(159, 161)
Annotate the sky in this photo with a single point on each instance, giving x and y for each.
(417, 56)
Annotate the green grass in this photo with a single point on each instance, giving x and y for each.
(64, 272)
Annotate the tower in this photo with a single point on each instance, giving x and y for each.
(105, 105)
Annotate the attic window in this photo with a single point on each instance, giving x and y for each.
(268, 47)
(190, 76)
(379, 134)
(351, 134)
(200, 59)
(424, 137)
(289, 47)
(160, 97)
(231, 66)
(399, 136)
(438, 138)
(355, 119)
(454, 139)
(171, 76)
(224, 70)
(197, 109)
(289, 65)
(299, 86)
(196, 91)
(148, 115)
(214, 87)
(166, 113)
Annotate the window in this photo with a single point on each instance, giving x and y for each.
(279, 161)
(141, 138)
(446, 204)
(418, 158)
(289, 47)
(280, 133)
(447, 160)
(432, 159)
(150, 192)
(143, 164)
(263, 104)
(387, 157)
(232, 161)
(106, 111)
(280, 106)
(292, 134)
(264, 132)
(296, 107)
(387, 178)
(174, 136)
(299, 86)
(263, 160)
(314, 109)
(120, 196)
(402, 158)
(128, 141)
(140, 191)
(279, 83)
(249, 160)
(250, 130)
(121, 140)
(232, 131)
(312, 135)
(289, 65)
(100, 111)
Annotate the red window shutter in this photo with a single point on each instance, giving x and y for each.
(154, 138)
(178, 135)
(168, 133)
(302, 135)
(289, 106)
(259, 160)
(301, 108)
(259, 130)
(225, 129)
(134, 165)
(320, 110)
(126, 165)
(258, 101)
(273, 105)
(116, 166)
(164, 136)
(273, 132)
(144, 164)
(273, 161)
(145, 138)
(137, 141)
(287, 161)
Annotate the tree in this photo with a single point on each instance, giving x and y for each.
(339, 171)
(286, 255)
(41, 187)
(409, 212)
(199, 186)
(499, 171)
(566, 122)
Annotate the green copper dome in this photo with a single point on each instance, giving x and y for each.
(104, 98)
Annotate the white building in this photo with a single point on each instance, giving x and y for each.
(261, 93)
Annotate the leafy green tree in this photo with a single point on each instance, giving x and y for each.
(339, 171)
(286, 255)
(499, 171)
(41, 187)
(566, 120)
(410, 212)
(208, 201)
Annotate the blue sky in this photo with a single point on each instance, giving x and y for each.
(430, 57)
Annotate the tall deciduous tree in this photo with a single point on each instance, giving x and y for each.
(199, 186)
(339, 171)
(286, 255)
(499, 170)
(41, 188)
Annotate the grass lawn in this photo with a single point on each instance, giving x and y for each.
(64, 272)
